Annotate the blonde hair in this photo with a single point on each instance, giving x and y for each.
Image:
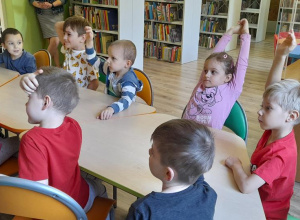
(129, 49)
(287, 95)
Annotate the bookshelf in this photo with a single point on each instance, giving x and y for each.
(256, 12)
(217, 16)
(114, 20)
(2, 24)
(171, 30)
(289, 11)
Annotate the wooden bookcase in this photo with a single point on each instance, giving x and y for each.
(256, 12)
(289, 10)
(171, 30)
(129, 22)
(217, 16)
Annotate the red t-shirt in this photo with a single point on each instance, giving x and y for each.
(53, 154)
(276, 165)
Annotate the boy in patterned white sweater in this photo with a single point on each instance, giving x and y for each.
(72, 35)
(121, 81)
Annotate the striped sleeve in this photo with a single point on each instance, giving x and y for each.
(128, 94)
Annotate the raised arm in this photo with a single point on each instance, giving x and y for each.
(281, 53)
(60, 32)
(29, 83)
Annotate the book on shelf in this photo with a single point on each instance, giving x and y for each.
(102, 42)
(162, 51)
(161, 12)
(99, 18)
(208, 41)
(103, 2)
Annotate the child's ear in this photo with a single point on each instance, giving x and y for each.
(83, 37)
(170, 174)
(228, 78)
(293, 115)
(2, 45)
(128, 64)
(47, 102)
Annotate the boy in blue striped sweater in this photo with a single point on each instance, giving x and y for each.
(121, 81)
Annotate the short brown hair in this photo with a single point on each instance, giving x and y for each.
(60, 86)
(185, 146)
(76, 23)
(8, 31)
(128, 47)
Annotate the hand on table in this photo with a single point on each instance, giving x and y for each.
(106, 113)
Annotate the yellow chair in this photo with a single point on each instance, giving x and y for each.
(147, 93)
(42, 58)
(28, 199)
(10, 167)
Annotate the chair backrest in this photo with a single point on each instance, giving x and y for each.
(42, 58)
(147, 93)
(31, 199)
(237, 121)
(275, 42)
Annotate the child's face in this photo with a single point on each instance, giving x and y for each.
(72, 40)
(213, 74)
(34, 108)
(116, 62)
(156, 168)
(271, 116)
(14, 45)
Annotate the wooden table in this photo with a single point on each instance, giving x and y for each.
(117, 152)
(7, 75)
(13, 115)
(292, 71)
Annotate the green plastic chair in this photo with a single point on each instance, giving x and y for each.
(292, 218)
(237, 121)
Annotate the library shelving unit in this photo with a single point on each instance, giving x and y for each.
(217, 16)
(256, 12)
(114, 20)
(171, 30)
(289, 11)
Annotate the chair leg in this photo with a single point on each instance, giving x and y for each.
(115, 195)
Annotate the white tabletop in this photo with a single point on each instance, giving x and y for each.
(92, 102)
(13, 112)
(7, 75)
(117, 151)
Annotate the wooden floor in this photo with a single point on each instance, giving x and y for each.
(173, 84)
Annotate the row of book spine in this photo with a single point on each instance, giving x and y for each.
(208, 41)
(214, 7)
(212, 25)
(163, 32)
(102, 42)
(103, 2)
(162, 51)
(161, 12)
(99, 18)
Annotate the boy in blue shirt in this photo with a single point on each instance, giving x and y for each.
(14, 57)
(121, 80)
(182, 150)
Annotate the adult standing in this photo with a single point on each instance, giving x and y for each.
(49, 12)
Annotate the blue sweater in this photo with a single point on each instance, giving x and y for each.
(196, 202)
(125, 87)
(24, 64)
